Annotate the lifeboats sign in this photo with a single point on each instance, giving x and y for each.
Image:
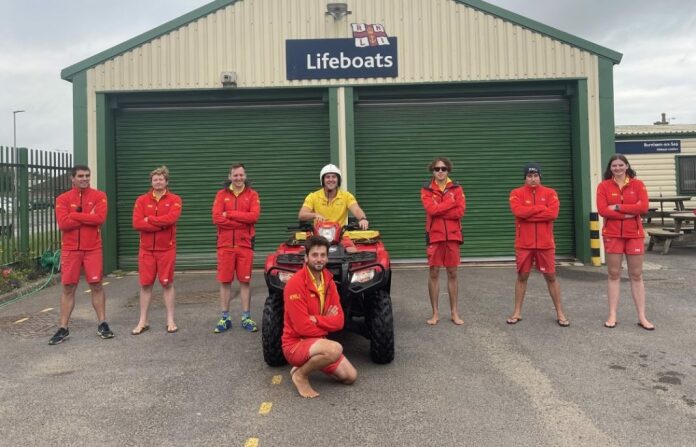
(369, 54)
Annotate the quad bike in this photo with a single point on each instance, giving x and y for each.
(363, 280)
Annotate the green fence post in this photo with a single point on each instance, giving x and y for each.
(23, 203)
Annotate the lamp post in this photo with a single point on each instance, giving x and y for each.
(14, 125)
(22, 179)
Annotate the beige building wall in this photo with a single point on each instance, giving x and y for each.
(438, 41)
(658, 171)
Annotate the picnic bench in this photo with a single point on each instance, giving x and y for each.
(682, 218)
(663, 237)
(652, 212)
(678, 205)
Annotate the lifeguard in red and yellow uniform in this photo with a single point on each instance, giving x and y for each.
(155, 215)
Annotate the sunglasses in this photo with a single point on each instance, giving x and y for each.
(440, 169)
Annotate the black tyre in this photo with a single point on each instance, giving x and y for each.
(272, 330)
(381, 323)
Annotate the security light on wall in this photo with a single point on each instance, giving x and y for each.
(228, 78)
(337, 10)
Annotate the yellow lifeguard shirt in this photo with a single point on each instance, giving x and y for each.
(236, 194)
(320, 288)
(447, 182)
(336, 210)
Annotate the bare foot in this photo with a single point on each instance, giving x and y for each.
(292, 371)
(456, 320)
(303, 387)
(433, 321)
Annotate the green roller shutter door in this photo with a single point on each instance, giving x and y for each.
(488, 141)
(282, 147)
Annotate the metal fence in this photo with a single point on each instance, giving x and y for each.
(30, 181)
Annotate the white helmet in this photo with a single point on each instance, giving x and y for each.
(329, 169)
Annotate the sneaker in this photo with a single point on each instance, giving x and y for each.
(249, 324)
(223, 325)
(104, 332)
(59, 336)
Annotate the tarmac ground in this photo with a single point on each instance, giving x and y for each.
(483, 383)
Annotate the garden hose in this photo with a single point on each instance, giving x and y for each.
(49, 259)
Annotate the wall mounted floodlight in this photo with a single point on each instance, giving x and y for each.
(337, 10)
(228, 79)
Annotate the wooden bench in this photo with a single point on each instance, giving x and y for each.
(662, 236)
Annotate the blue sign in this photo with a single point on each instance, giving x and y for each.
(648, 147)
(339, 58)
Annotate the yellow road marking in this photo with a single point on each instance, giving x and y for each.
(276, 380)
(105, 283)
(265, 407)
(252, 442)
(48, 309)
(26, 318)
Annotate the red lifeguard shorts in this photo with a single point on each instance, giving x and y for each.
(545, 260)
(234, 260)
(72, 261)
(620, 245)
(443, 254)
(298, 354)
(154, 262)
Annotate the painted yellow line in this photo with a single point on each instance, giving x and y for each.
(276, 380)
(105, 283)
(252, 442)
(22, 320)
(48, 309)
(265, 407)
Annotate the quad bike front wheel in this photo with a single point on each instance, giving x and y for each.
(272, 330)
(381, 325)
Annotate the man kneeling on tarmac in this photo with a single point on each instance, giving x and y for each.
(312, 310)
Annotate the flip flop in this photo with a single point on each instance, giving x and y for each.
(563, 323)
(513, 320)
(172, 329)
(140, 329)
(647, 328)
(610, 326)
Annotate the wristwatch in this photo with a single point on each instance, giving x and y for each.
(362, 218)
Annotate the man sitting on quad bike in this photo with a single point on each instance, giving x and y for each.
(313, 310)
(358, 261)
(330, 203)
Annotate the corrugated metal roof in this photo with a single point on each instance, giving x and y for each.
(655, 129)
(69, 72)
(453, 42)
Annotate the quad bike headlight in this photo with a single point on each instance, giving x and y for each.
(285, 276)
(328, 233)
(362, 276)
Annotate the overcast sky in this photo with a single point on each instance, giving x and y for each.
(38, 38)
